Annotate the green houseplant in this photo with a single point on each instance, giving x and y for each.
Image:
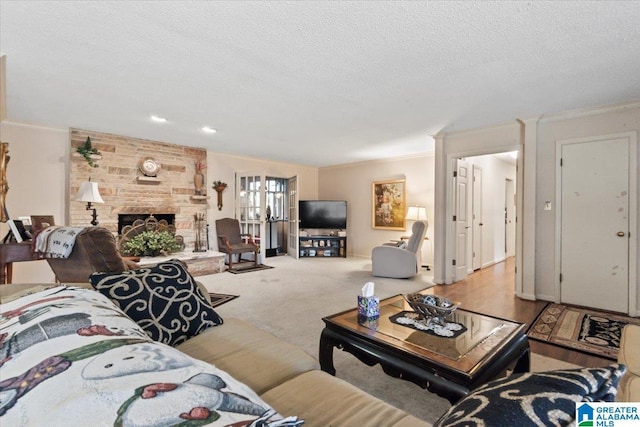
(152, 243)
(87, 150)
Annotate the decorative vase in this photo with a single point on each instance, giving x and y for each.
(198, 182)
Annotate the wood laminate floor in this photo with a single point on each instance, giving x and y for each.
(491, 291)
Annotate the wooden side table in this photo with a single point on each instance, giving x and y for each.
(14, 252)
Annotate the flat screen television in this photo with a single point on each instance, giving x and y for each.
(323, 214)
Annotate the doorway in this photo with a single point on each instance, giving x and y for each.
(276, 216)
(484, 212)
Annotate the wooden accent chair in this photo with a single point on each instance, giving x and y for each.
(232, 242)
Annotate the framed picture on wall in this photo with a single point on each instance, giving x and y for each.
(389, 204)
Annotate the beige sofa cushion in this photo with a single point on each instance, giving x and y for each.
(629, 386)
(249, 354)
(323, 400)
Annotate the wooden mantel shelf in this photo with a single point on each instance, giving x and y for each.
(148, 179)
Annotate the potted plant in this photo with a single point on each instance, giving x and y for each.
(152, 243)
(87, 150)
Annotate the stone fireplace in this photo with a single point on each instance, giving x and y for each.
(127, 191)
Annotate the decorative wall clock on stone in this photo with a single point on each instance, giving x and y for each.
(149, 166)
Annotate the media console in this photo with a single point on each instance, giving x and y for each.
(322, 246)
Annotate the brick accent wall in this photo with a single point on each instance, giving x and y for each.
(123, 191)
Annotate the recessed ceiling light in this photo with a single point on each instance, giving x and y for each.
(158, 119)
(208, 129)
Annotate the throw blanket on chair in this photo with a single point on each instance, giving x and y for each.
(56, 242)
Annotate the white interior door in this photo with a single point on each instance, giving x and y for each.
(251, 197)
(477, 218)
(595, 224)
(510, 218)
(461, 220)
(293, 231)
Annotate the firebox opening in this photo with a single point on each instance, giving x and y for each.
(128, 219)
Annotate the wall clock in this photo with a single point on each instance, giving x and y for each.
(149, 166)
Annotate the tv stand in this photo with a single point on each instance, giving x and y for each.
(322, 246)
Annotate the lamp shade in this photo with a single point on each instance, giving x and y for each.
(416, 213)
(88, 192)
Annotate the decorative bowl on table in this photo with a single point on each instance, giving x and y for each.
(432, 307)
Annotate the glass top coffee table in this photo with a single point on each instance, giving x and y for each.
(479, 349)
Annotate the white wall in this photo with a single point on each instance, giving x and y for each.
(352, 182)
(36, 174)
(222, 167)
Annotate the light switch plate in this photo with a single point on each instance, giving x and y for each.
(547, 206)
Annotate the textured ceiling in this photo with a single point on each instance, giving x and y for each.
(317, 83)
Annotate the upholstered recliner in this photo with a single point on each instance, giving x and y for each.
(398, 262)
(230, 241)
(95, 250)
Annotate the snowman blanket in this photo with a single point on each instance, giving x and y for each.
(70, 357)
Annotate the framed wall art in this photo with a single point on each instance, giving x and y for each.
(389, 204)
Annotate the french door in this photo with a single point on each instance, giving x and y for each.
(293, 229)
(250, 211)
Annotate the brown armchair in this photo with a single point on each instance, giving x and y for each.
(95, 250)
(230, 241)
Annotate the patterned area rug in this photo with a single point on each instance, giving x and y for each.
(219, 299)
(590, 331)
(240, 270)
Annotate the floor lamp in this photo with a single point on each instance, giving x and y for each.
(89, 193)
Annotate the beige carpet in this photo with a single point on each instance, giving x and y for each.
(290, 300)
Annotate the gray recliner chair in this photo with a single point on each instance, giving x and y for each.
(400, 263)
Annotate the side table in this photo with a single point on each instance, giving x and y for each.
(14, 252)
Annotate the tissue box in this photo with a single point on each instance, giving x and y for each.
(368, 307)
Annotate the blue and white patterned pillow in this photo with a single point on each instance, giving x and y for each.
(163, 299)
(534, 399)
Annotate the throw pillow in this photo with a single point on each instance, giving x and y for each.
(163, 299)
(534, 399)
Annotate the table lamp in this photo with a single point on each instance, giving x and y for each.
(89, 193)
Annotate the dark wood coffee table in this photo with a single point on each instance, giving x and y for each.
(449, 367)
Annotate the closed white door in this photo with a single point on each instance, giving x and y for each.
(594, 259)
(461, 220)
(510, 218)
(477, 218)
